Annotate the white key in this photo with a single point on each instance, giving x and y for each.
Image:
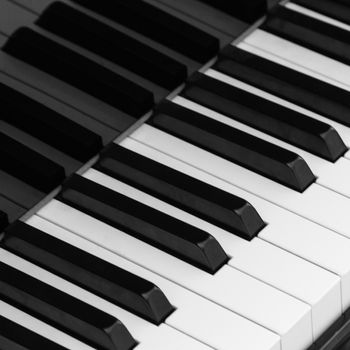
(194, 315)
(297, 277)
(41, 328)
(143, 331)
(234, 290)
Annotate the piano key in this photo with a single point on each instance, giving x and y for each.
(147, 224)
(106, 41)
(12, 210)
(253, 153)
(146, 333)
(257, 259)
(229, 212)
(29, 166)
(314, 136)
(110, 282)
(309, 32)
(63, 311)
(160, 26)
(4, 220)
(100, 82)
(47, 125)
(16, 337)
(193, 315)
(229, 287)
(298, 88)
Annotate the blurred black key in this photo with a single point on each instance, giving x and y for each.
(301, 89)
(89, 272)
(337, 9)
(314, 34)
(79, 71)
(145, 223)
(112, 44)
(4, 220)
(248, 11)
(47, 125)
(260, 113)
(234, 145)
(29, 166)
(63, 311)
(157, 25)
(208, 202)
(16, 337)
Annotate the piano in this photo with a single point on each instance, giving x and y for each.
(175, 175)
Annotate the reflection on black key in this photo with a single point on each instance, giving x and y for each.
(314, 34)
(16, 337)
(29, 166)
(145, 223)
(260, 113)
(63, 63)
(112, 44)
(311, 93)
(157, 25)
(4, 221)
(249, 151)
(63, 311)
(248, 11)
(210, 203)
(89, 272)
(47, 125)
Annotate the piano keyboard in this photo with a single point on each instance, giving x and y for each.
(175, 175)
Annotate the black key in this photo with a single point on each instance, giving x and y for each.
(234, 145)
(89, 272)
(316, 35)
(157, 25)
(4, 220)
(338, 9)
(248, 11)
(145, 223)
(308, 92)
(208, 202)
(112, 44)
(79, 71)
(16, 337)
(284, 123)
(47, 125)
(29, 166)
(63, 311)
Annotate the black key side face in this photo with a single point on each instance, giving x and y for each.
(4, 221)
(16, 337)
(145, 223)
(234, 145)
(112, 44)
(311, 93)
(29, 166)
(62, 310)
(305, 132)
(47, 125)
(78, 71)
(157, 25)
(210, 203)
(110, 282)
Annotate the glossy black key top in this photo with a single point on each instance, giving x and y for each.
(16, 337)
(63, 311)
(89, 272)
(314, 34)
(112, 44)
(301, 89)
(4, 221)
(145, 223)
(260, 113)
(208, 202)
(47, 125)
(79, 71)
(248, 11)
(29, 166)
(234, 145)
(157, 25)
